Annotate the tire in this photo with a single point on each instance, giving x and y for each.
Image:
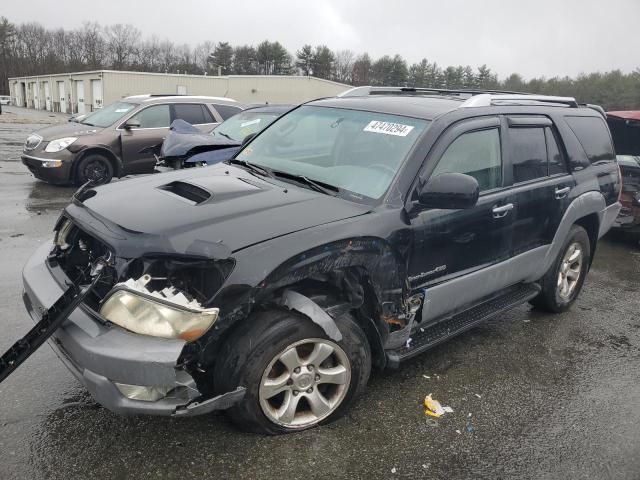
(556, 295)
(253, 356)
(96, 168)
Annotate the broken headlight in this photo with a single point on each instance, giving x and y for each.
(167, 313)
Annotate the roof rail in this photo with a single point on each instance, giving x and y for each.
(474, 97)
(370, 90)
(489, 99)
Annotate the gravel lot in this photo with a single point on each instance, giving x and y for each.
(534, 395)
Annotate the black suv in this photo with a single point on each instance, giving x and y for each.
(352, 232)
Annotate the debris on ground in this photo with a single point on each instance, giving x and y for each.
(393, 470)
(433, 407)
(426, 376)
(458, 432)
(478, 395)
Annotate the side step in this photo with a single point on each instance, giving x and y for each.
(427, 337)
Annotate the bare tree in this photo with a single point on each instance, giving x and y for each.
(122, 43)
(343, 65)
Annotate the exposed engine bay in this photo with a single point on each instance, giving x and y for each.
(186, 282)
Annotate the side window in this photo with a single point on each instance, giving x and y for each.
(190, 112)
(226, 111)
(557, 163)
(156, 116)
(476, 154)
(593, 135)
(528, 153)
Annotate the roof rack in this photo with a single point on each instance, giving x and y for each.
(489, 99)
(369, 90)
(474, 97)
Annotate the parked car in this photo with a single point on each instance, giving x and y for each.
(625, 130)
(186, 146)
(352, 233)
(5, 100)
(114, 141)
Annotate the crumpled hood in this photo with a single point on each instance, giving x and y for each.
(184, 138)
(70, 129)
(192, 210)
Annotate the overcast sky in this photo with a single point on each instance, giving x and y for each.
(534, 38)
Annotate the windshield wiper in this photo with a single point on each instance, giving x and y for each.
(227, 136)
(316, 185)
(87, 123)
(252, 166)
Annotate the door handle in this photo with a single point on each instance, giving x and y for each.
(502, 211)
(562, 192)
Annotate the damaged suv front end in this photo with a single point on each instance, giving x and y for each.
(126, 342)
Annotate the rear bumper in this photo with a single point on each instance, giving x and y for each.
(57, 175)
(101, 355)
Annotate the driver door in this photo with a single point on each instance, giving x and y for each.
(154, 126)
(452, 244)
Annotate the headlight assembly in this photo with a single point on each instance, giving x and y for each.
(166, 314)
(59, 144)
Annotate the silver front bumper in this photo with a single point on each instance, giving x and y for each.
(101, 355)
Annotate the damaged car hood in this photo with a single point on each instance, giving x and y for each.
(184, 138)
(224, 209)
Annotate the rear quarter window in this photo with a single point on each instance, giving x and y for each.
(226, 111)
(593, 135)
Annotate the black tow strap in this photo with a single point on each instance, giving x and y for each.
(51, 319)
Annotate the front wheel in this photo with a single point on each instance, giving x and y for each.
(296, 377)
(563, 282)
(94, 168)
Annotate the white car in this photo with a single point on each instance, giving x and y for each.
(5, 99)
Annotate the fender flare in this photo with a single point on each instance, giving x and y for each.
(586, 204)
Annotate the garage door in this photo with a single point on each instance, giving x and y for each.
(47, 96)
(96, 93)
(62, 96)
(36, 96)
(80, 96)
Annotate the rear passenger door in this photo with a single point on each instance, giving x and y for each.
(197, 114)
(541, 183)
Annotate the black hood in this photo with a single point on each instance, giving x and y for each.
(70, 129)
(213, 211)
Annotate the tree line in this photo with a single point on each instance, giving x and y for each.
(30, 49)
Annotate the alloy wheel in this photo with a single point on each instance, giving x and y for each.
(305, 383)
(570, 270)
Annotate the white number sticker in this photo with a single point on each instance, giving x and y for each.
(250, 122)
(388, 128)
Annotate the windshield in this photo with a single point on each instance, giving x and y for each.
(358, 152)
(108, 115)
(243, 124)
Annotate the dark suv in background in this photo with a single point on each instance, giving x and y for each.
(351, 233)
(115, 140)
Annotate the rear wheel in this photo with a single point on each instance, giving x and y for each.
(94, 168)
(296, 377)
(563, 282)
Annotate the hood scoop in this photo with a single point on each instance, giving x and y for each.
(188, 192)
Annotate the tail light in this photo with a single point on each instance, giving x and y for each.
(619, 182)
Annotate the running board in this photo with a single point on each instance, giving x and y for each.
(428, 337)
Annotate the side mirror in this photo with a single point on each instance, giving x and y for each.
(247, 139)
(132, 123)
(449, 191)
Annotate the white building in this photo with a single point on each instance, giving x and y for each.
(82, 92)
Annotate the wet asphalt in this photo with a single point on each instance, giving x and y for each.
(535, 396)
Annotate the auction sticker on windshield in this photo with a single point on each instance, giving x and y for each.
(250, 122)
(388, 128)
